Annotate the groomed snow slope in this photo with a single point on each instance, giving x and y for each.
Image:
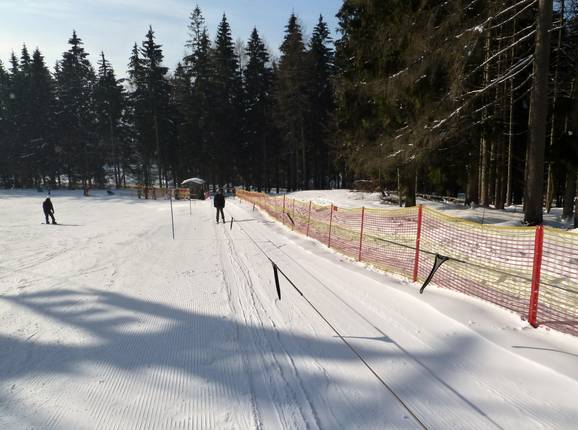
(106, 322)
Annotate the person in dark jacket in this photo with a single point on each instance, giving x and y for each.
(219, 203)
(48, 210)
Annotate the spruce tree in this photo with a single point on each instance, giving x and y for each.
(42, 111)
(4, 125)
(109, 99)
(136, 109)
(150, 104)
(225, 108)
(74, 87)
(293, 104)
(322, 125)
(258, 77)
(180, 100)
(193, 95)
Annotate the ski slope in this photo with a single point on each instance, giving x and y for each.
(106, 322)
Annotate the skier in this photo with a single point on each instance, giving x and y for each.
(48, 210)
(219, 203)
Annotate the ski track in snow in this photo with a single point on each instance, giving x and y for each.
(110, 324)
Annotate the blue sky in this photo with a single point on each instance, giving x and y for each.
(113, 26)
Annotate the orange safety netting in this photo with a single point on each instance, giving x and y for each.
(531, 271)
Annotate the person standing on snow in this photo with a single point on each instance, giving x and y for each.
(219, 203)
(48, 210)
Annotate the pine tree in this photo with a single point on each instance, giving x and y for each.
(136, 111)
(293, 104)
(197, 43)
(74, 87)
(193, 97)
(109, 99)
(42, 111)
(322, 124)
(183, 161)
(225, 108)
(258, 77)
(150, 104)
(4, 125)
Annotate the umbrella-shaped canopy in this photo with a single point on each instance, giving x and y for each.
(197, 181)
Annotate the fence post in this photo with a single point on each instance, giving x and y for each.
(283, 213)
(417, 242)
(309, 218)
(534, 294)
(293, 210)
(361, 232)
(330, 222)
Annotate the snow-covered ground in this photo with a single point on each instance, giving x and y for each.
(106, 322)
(511, 216)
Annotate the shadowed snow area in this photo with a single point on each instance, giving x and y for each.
(106, 322)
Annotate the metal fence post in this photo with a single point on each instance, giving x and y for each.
(283, 212)
(361, 232)
(417, 242)
(536, 272)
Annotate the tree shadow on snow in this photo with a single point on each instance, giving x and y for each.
(210, 347)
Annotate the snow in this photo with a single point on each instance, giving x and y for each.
(511, 216)
(106, 322)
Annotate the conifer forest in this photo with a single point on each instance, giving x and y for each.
(473, 98)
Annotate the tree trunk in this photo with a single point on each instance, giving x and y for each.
(473, 178)
(509, 199)
(500, 173)
(399, 189)
(410, 179)
(550, 181)
(492, 173)
(484, 172)
(157, 140)
(537, 122)
(114, 158)
(484, 144)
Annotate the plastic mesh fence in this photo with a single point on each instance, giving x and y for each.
(558, 300)
(389, 241)
(493, 263)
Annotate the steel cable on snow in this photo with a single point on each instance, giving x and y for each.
(380, 331)
(332, 327)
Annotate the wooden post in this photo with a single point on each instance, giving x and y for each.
(283, 213)
(330, 223)
(309, 218)
(536, 272)
(417, 242)
(361, 233)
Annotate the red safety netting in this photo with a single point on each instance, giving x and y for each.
(558, 299)
(492, 263)
(531, 271)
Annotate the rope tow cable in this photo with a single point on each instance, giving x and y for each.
(276, 270)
